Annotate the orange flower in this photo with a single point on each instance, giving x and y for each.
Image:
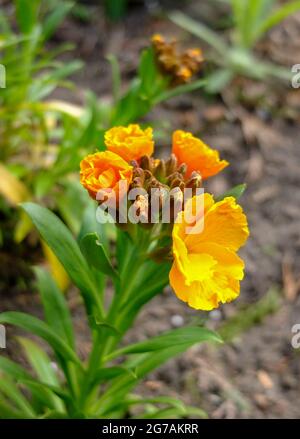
(130, 143)
(196, 155)
(206, 269)
(102, 171)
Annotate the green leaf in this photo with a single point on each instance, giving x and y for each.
(116, 76)
(18, 373)
(62, 243)
(235, 192)
(27, 14)
(142, 365)
(56, 310)
(131, 107)
(46, 393)
(183, 336)
(153, 83)
(55, 18)
(108, 373)
(115, 9)
(38, 327)
(39, 361)
(41, 364)
(13, 369)
(181, 89)
(10, 389)
(218, 80)
(53, 414)
(277, 17)
(96, 256)
(200, 30)
(9, 412)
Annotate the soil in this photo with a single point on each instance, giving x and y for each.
(256, 127)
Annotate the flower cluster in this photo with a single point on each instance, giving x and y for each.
(180, 66)
(206, 269)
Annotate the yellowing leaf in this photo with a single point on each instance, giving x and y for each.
(23, 227)
(64, 107)
(57, 270)
(11, 188)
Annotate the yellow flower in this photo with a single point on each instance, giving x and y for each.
(130, 143)
(102, 171)
(207, 270)
(196, 155)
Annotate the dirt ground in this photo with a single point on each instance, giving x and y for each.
(256, 128)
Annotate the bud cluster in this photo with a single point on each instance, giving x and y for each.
(165, 179)
(180, 66)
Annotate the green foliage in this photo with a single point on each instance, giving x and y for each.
(99, 387)
(42, 141)
(236, 192)
(251, 20)
(250, 315)
(41, 144)
(115, 9)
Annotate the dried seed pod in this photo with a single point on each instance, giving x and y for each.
(195, 180)
(134, 163)
(176, 175)
(139, 172)
(182, 169)
(177, 182)
(160, 170)
(171, 164)
(176, 204)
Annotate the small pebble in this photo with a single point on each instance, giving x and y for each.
(215, 314)
(177, 320)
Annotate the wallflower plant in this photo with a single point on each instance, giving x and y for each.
(42, 140)
(118, 268)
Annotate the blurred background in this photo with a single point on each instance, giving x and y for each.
(62, 76)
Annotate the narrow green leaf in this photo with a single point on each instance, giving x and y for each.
(39, 361)
(277, 17)
(27, 14)
(10, 389)
(41, 364)
(13, 369)
(19, 374)
(116, 76)
(9, 412)
(142, 364)
(183, 336)
(108, 373)
(40, 328)
(200, 30)
(62, 243)
(95, 254)
(235, 192)
(45, 392)
(56, 310)
(181, 89)
(218, 80)
(54, 19)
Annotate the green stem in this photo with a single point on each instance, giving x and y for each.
(131, 273)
